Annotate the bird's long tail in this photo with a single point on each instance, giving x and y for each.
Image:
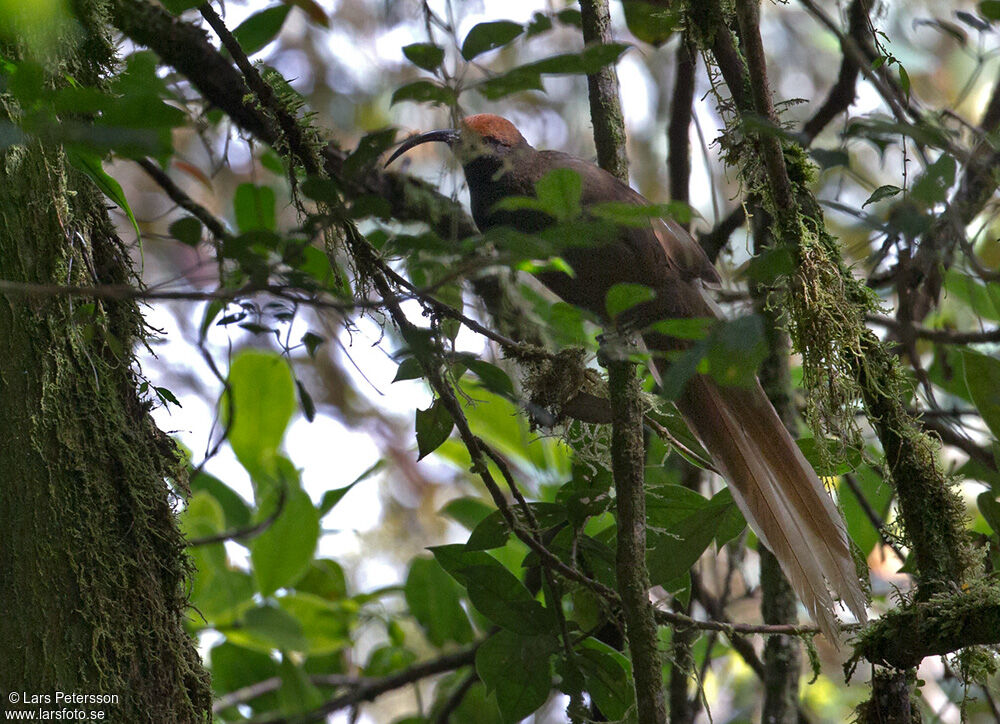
(780, 494)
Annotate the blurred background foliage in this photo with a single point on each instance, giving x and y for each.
(301, 421)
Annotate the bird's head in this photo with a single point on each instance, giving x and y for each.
(483, 135)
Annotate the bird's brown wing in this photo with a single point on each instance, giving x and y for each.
(664, 247)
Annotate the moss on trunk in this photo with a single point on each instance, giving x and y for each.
(94, 567)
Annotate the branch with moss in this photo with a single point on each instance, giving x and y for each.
(628, 452)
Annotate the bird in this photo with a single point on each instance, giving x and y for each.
(778, 492)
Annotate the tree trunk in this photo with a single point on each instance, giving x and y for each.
(93, 567)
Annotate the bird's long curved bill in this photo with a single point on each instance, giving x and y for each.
(445, 135)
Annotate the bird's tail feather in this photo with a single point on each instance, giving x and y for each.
(779, 493)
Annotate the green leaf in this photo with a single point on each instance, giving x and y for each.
(882, 192)
(736, 348)
(178, 6)
(932, 187)
(492, 377)
(607, 676)
(493, 532)
(424, 91)
(989, 508)
(877, 494)
(434, 599)
(685, 327)
(262, 398)
(682, 524)
(652, 23)
(236, 509)
(91, 165)
(297, 694)
(370, 147)
(623, 297)
(518, 669)
(826, 456)
(433, 427)
(409, 369)
(325, 578)
(325, 624)
(424, 55)
(306, 400)
(332, 497)
(983, 299)
(255, 208)
(559, 193)
(312, 342)
(639, 215)
(467, 512)
(904, 81)
(515, 81)
(282, 553)
(488, 36)
(990, 9)
(982, 377)
(494, 591)
(388, 659)
(234, 667)
(267, 627)
(186, 230)
(257, 31)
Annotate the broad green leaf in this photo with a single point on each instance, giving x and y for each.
(91, 165)
(882, 192)
(983, 299)
(990, 9)
(494, 591)
(255, 208)
(877, 493)
(297, 694)
(268, 627)
(982, 377)
(736, 348)
(178, 6)
(989, 508)
(262, 398)
(623, 297)
(488, 36)
(369, 148)
(685, 327)
(234, 667)
(559, 193)
(492, 531)
(236, 509)
(257, 31)
(467, 512)
(424, 91)
(388, 659)
(492, 377)
(424, 55)
(326, 625)
(282, 553)
(681, 525)
(629, 214)
(186, 230)
(325, 578)
(607, 675)
(202, 516)
(434, 599)
(653, 23)
(433, 427)
(932, 187)
(332, 497)
(518, 669)
(826, 452)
